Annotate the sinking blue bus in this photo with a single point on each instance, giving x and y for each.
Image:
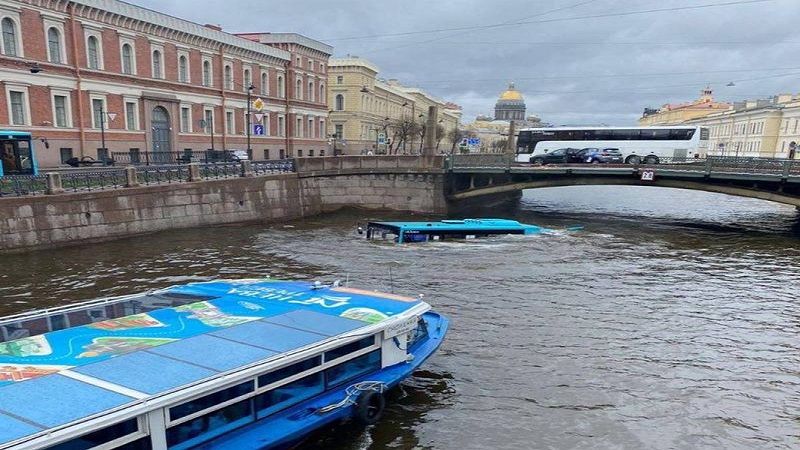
(16, 154)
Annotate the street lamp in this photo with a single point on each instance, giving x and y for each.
(111, 117)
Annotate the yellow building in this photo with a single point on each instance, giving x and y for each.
(365, 110)
(674, 114)
(754, 128)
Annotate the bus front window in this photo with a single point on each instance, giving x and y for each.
(25, 157)
(8, 157)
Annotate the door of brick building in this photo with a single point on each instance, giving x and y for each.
(162, 141)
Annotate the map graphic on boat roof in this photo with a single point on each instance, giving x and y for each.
(244, 322)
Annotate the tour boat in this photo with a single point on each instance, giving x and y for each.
(231, 364)
(402, 232)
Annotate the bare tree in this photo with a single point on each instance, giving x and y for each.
(455, 136)
(440, 134)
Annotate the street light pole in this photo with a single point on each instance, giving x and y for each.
(103, 128)
(249, 106)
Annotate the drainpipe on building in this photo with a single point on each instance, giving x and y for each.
(77, 68)
(222, 95)
(289, 149)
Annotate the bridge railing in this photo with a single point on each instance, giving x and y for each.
(747, 165)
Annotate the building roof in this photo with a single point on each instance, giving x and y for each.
(511, 94)
(290, 38)
(353, 61)
(54, 379)
(174, 23)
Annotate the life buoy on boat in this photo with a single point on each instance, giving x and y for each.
(369, 407)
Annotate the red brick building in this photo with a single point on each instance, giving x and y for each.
(150, 78)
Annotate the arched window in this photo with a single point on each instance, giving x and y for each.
(54, 45)
(127, 59)
(9, 37)
(264, 83)
(228, 77)
(298, 93)
(339, 102)
(157, 64)
(183, 69)
(322, 93)
(93, 48)
(248, 81)
(311, 91)
(281, 87)
(206, 73)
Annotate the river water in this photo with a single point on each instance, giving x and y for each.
(671, 322)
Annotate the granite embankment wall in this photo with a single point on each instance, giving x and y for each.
(319, 185)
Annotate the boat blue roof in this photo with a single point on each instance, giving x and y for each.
(53, 379)
(461, 225)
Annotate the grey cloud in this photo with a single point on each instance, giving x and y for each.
(472, 67)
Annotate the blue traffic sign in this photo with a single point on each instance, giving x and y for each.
(473, 141)
(258, 129)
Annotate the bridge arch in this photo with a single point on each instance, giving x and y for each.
(740, 191)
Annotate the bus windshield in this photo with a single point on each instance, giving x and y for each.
(16, 154)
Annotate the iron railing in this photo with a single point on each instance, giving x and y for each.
(136, 158)
(221, 170)
(163, 174)
(278, 166)
(19, 185)
(93, 181)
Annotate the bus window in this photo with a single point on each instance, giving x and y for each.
(9, 158)
(25, 156)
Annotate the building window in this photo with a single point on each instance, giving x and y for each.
(127, 59)
(206, 73)
(18, 108)
(130, 116)
(247, 80)
(322, 93)
(298, 132)
(54, 45)
(311, 152)
(310, 129)
(65, 153)
(311, 91)
(322, 130)
(266, 153)
(281, 87)
(98, 110)
(299, 153)
(264, 83)
(186, 119)
(339, 79)
(339, 106)
(157, 72)
(228, 77)
(281, 127)
(60, 110)
(209, 121)
(183, 69)
(93, 53)
(9, 37)
(298, 93)
(339, 131)
(230, 123)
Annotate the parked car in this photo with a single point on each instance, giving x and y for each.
(605, 156)
(558, 156)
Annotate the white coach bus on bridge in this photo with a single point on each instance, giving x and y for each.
(637, 144)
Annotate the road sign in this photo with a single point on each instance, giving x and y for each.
(258, 129)
(474, 142)
(111, 116)
(381, 138)
(258, 104)
(648, 175)
(259, 117)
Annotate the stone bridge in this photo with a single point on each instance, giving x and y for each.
(71, 207)
(474, 176)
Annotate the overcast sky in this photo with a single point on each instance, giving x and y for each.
(598, 70)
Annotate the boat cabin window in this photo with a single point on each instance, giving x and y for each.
(122, 432)
(289, 394)
(208, 401)
(352, 369)
(288, 371)
(200, 429)
(352, 347)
